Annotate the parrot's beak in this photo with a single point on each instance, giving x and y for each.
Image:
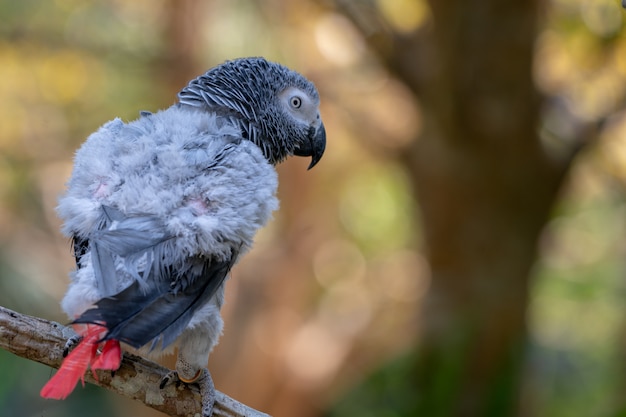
(314, 147)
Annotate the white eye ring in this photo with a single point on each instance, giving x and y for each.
(295, 102)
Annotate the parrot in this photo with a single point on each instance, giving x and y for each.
(160, 209)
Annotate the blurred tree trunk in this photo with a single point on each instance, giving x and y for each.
(485, 188)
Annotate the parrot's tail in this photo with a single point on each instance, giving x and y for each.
(84, 356)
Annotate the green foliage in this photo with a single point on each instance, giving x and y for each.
(388, 392)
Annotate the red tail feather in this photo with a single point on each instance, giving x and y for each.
(77, 362)
(110, 358)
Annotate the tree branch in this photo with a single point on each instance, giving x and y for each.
(42, 341)
(410, 57)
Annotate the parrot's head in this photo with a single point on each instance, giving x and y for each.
(276, 108)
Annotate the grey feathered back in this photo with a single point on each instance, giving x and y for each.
(136, 192)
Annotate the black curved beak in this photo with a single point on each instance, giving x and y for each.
(314, 147)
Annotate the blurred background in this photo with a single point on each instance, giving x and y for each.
(459, 251)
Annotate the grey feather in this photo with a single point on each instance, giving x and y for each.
(139, 241)
(160, 314)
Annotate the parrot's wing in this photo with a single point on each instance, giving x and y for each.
(136, 317)
(164, 294)
(136, 239)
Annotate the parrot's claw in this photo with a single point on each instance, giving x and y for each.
(204, 382)
(71, 343)
(168, 379)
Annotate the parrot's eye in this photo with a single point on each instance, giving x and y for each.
(295, 102)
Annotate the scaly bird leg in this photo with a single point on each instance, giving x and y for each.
(207, 392)
(189, 375)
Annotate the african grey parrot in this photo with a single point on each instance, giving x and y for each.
(161, 208)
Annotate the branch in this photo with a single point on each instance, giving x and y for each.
(42, 341)
(408, 56)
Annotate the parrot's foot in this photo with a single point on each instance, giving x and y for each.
(71, 343)
(203, 380)
(207, 392)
